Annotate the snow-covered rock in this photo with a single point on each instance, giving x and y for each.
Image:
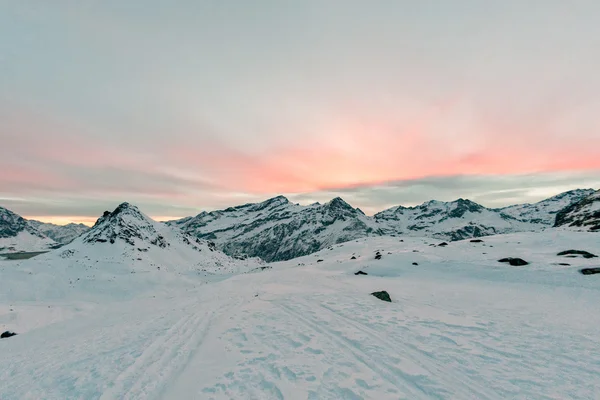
(63, 234)
(279, 230)
(17, 235)
(582, 215)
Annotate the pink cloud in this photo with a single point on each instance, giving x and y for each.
(352, 150)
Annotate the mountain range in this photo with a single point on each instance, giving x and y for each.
(278, 229)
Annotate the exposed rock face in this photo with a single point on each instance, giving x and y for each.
(583, 215)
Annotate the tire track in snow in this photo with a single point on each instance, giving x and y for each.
(161, 359)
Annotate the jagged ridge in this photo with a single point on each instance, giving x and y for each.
(277, 229)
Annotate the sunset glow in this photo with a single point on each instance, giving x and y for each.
(347, 107)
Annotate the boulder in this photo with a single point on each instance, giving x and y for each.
(415, 263)
(353, 258)
(7, 334)
(517, 262)
(583, 253)
(383, 295)
(360, 273)
(443, 244)
(590, 271)
(476, 241)
(319, 261)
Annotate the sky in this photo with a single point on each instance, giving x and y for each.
(180, 107)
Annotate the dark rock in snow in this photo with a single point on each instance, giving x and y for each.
(590, 271)
(564, 264)
(516, 262)
(319, 261)
(443, 244)
(360, 273)
(476, 241)
(7, 334)
(378, 256)
(415, 263)
(353, 258)
(383, 295)
(582, 253)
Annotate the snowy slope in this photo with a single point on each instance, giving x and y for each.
(124, 254)
(17, 235)
(582, 215)
(460, 326)
(64, 234)
(279, 230)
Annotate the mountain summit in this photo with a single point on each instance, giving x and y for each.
(126, 223)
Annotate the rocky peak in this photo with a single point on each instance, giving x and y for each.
(462, 206)
(338, 203)
(126, 223)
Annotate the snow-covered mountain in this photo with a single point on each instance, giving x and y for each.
(63, 234)
(543, 213)
(277, 229)
(17, 235)
(581, 215)
(454, 220)
(124, 253)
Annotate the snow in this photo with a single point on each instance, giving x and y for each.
(460, 326)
